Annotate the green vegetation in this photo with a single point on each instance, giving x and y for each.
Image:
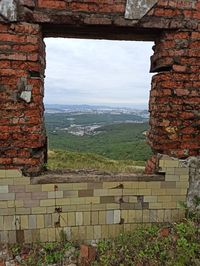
(117, 141)
(173, 245)
(39, 254)
(74, 160)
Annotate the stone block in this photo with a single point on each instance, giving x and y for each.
(86, 218)
(33, 188)
(48, 187)
(4, 237)
(29, 203)
(7, 196)
(97, 232)
(3, 189)
(2, 173)
(153, 184)
(92, 200)
(55, 194)
(66, 201)
(102, 217)
(79, 218)
(150, 198)
(63, 219)
(38, 210)
(22, 210)
(169, 177)
(104, 231)
(40, 221)
(107, 199)
(47, 220)
(47, 203)
(86, 193)
(35, 235)
(44, 235)
(164, 199)
(168, 184)
(39, 195)
(51, 232)
(100, 192)
(71, 218)
(90, 232)
(32, 221)
(16, 188)
(24, 222)
(6, 181)
(97, 207)
(117, 216)
(9, 223)
(13, 173)
(82, 232)
(94, 217)
(21, 181)
(70, 193)
(112, 206)
(23, 195)
(110, 217)
(12, 237)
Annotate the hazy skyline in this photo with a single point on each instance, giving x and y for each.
(97, 72)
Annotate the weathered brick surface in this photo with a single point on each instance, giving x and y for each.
(91, 212)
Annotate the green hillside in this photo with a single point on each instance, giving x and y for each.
(75, 160)
(125, 141)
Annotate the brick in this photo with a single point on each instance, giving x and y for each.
(47, 220)
(86, 218)
(38, 210)
(55, 194)
(29, 203)
(79, 218)
(117, 216)
(90, 232)
(3, 189)
(51, 232)
(22, 210)
(13, 173)
(109, 217)
(24, 222)
(2, 173)
(107, 199)
(12, 237)
(71, 218)
(70, 193)
(32, 221)
(40, 221)
(9, 223)
(7, 196)
(44, 235)
(85, 193)
(39, 195)
(94, 217)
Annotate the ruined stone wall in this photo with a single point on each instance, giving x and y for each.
(174, 97)
(90, 210)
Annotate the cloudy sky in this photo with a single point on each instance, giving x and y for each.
(97, 72)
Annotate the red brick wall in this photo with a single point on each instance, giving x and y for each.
(174, 100)
(22, 134)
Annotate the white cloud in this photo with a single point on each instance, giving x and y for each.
(97, 72)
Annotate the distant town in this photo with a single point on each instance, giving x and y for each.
(83, 120)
